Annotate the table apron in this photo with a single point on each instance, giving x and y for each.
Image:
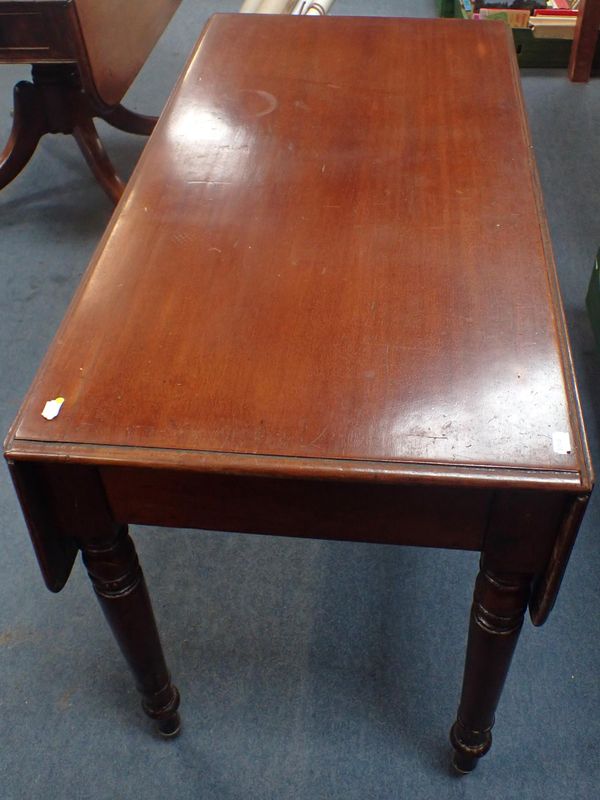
(37, 33)
(67, 504)
(409, 514)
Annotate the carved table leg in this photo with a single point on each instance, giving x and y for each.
(121, 589)
(29, 125)
(87, 138)
(499, 605)
(56, 103)
(129, 121)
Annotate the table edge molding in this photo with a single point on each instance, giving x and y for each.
(294, 467)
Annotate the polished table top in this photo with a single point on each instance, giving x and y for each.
(264, 291)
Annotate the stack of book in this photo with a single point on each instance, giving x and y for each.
(555, 23)
(550, 19)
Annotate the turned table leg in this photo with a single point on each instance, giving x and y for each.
(499, 605)
(121, 589)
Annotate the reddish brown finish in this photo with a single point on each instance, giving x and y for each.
(29, 125)
(117, 578)
(585, 41)
(255, 215)
(110, 40)
(100, 47)
(499, 605)
(36, 32)
(54, 547)
(55, 103)
(118, 38)
(548, 583)
(316, 314)
(93, 151)
(129, 121)
(436, 516)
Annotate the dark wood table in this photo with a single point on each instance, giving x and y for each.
(325, 307)
(585, 41)
(85, 55)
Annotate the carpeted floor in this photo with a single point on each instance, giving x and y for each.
(308, 670)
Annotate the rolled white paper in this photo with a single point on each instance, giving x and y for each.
(275, 6)
(250, 6)
(298, 7)
(312, 8)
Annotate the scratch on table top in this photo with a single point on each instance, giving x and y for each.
(270, 99)
(425, 436)
(209, 182)
(319, 436)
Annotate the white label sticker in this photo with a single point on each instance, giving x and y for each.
(561, 442)
(52, 408)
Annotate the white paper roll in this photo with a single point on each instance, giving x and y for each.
(250, 6)
(312, 8)
(275, 7)
(299, 7)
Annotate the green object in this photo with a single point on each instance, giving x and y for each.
(445, 8)
(531, 52)
(592, 300)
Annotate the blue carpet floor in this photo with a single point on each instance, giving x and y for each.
(308, 670)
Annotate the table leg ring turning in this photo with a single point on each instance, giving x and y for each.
(469, 746)
(499, 605)
(119, 584)
(163, 708)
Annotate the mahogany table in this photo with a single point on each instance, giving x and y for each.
(585, 41)
(326, 306)
(85, 55)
